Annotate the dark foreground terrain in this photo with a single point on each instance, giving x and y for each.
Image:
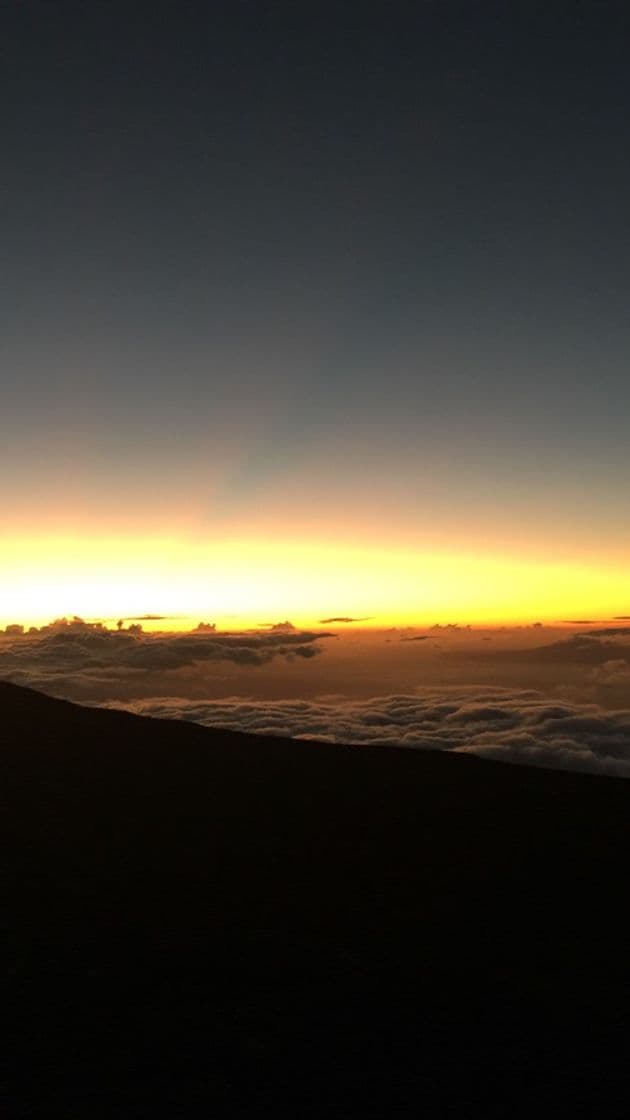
(202, 923)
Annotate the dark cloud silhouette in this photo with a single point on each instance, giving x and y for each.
(519, 726)
(344, 618)
(451, 626)
(581, 649)
(149, 618)
(133, 618)
(416, 638)
(610, 632)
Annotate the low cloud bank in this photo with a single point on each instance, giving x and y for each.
(69, 650)
(581, 649)
(515, 726)
(581, 721)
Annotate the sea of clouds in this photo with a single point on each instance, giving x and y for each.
(90, 663)
(521, 726)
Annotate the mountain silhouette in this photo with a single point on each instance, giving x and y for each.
(202, 922)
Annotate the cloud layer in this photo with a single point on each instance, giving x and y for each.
(515, 726)
(71, 650)
(580, 721)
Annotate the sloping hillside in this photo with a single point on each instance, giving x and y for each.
(206, 923)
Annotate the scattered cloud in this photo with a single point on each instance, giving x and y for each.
(451, 626)
(608, 684)
(344, 618)
(138, 618)
(149, 618)
(612, 672)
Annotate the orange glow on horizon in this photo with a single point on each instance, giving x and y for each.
(247, 582)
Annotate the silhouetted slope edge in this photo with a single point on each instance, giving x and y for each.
(207, 920)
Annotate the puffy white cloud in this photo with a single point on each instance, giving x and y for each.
(515, 726)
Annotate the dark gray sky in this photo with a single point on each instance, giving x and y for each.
(299, 261)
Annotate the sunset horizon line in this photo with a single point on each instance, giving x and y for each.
(152, 624)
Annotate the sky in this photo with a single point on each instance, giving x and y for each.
(314, 310)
